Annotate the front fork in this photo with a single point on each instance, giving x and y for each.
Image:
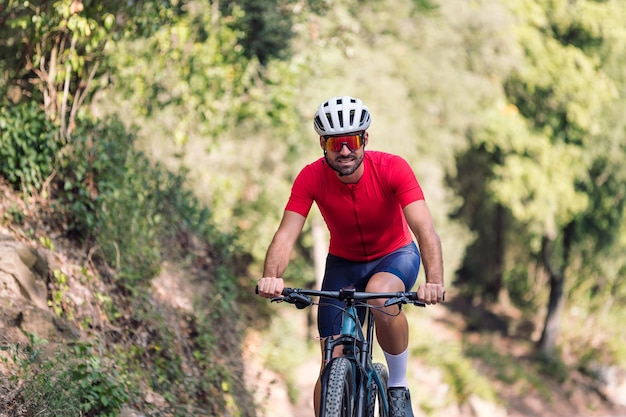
(351, 339)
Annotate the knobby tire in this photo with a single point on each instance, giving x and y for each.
(339, 401)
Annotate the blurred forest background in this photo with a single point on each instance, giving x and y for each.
(140, 128)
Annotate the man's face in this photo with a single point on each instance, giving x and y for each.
(344, 153)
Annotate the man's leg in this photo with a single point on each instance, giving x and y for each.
(392, 329)
(392, 332)
(318, 385)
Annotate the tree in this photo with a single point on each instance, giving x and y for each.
(265, 28)
(542, 151)
(54, 52)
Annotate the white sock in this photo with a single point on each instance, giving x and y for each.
(397, 365)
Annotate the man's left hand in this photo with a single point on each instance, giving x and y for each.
(431, 293)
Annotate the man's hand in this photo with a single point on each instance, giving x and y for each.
(431, 293)
(270, 287)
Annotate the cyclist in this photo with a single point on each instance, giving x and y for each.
(370, 201)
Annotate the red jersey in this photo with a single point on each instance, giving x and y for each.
(365, 219)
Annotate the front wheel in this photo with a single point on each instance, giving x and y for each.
(339, 400)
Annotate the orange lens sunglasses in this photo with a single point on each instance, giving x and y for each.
(335, 143)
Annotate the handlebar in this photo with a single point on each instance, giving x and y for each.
(301, 297)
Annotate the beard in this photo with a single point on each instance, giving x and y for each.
(345, 165)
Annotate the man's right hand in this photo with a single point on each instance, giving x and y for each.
(270, 287)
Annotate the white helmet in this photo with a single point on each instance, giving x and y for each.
(341, 115)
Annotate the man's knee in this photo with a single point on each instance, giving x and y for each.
(384, 282)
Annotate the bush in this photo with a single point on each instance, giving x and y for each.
(113, 195)
(76, 381)
(107, 193)
(29, 146)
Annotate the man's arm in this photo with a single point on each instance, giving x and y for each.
(421, 223)
(279, 253)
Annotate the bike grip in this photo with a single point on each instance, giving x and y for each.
(286, 290)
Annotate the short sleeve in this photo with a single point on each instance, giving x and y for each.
(403, 182)
(301, 197)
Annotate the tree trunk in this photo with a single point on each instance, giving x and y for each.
(495, 286)
(556, 301)
(553, 318)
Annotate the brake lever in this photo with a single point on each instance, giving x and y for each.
(396, 300)
(299, 300)
(403, 300)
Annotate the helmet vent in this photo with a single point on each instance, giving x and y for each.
(318, 123)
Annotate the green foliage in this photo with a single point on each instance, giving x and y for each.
(531, 97)
(13, 214)
(111, 194)
(83, 378)
(28, 145)
(191, 76)
(265, 27)
(59, 48)
(553, 367)
(215, 375)
(541, 152)
(115, 195)
(107, 191)
(560, 94)
(282, 348)
(214, 116)
(425, 6)
(98, 177)
(607, 202)
(58, 289)
(514, 372)
(78, 380)
(161, 350)
(459, 372)
(23, 356)
(56, 48)
(101, 387)
(160, 359)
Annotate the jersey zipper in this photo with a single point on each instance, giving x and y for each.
(358, 222)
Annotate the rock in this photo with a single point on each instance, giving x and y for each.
(37, 321)
(614, 380)
(22, 273)
(24, 295)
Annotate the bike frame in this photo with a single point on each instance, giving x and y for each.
(358, 349)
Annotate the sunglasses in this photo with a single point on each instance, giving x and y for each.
(335, 143)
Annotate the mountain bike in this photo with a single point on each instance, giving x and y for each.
(352, 385)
